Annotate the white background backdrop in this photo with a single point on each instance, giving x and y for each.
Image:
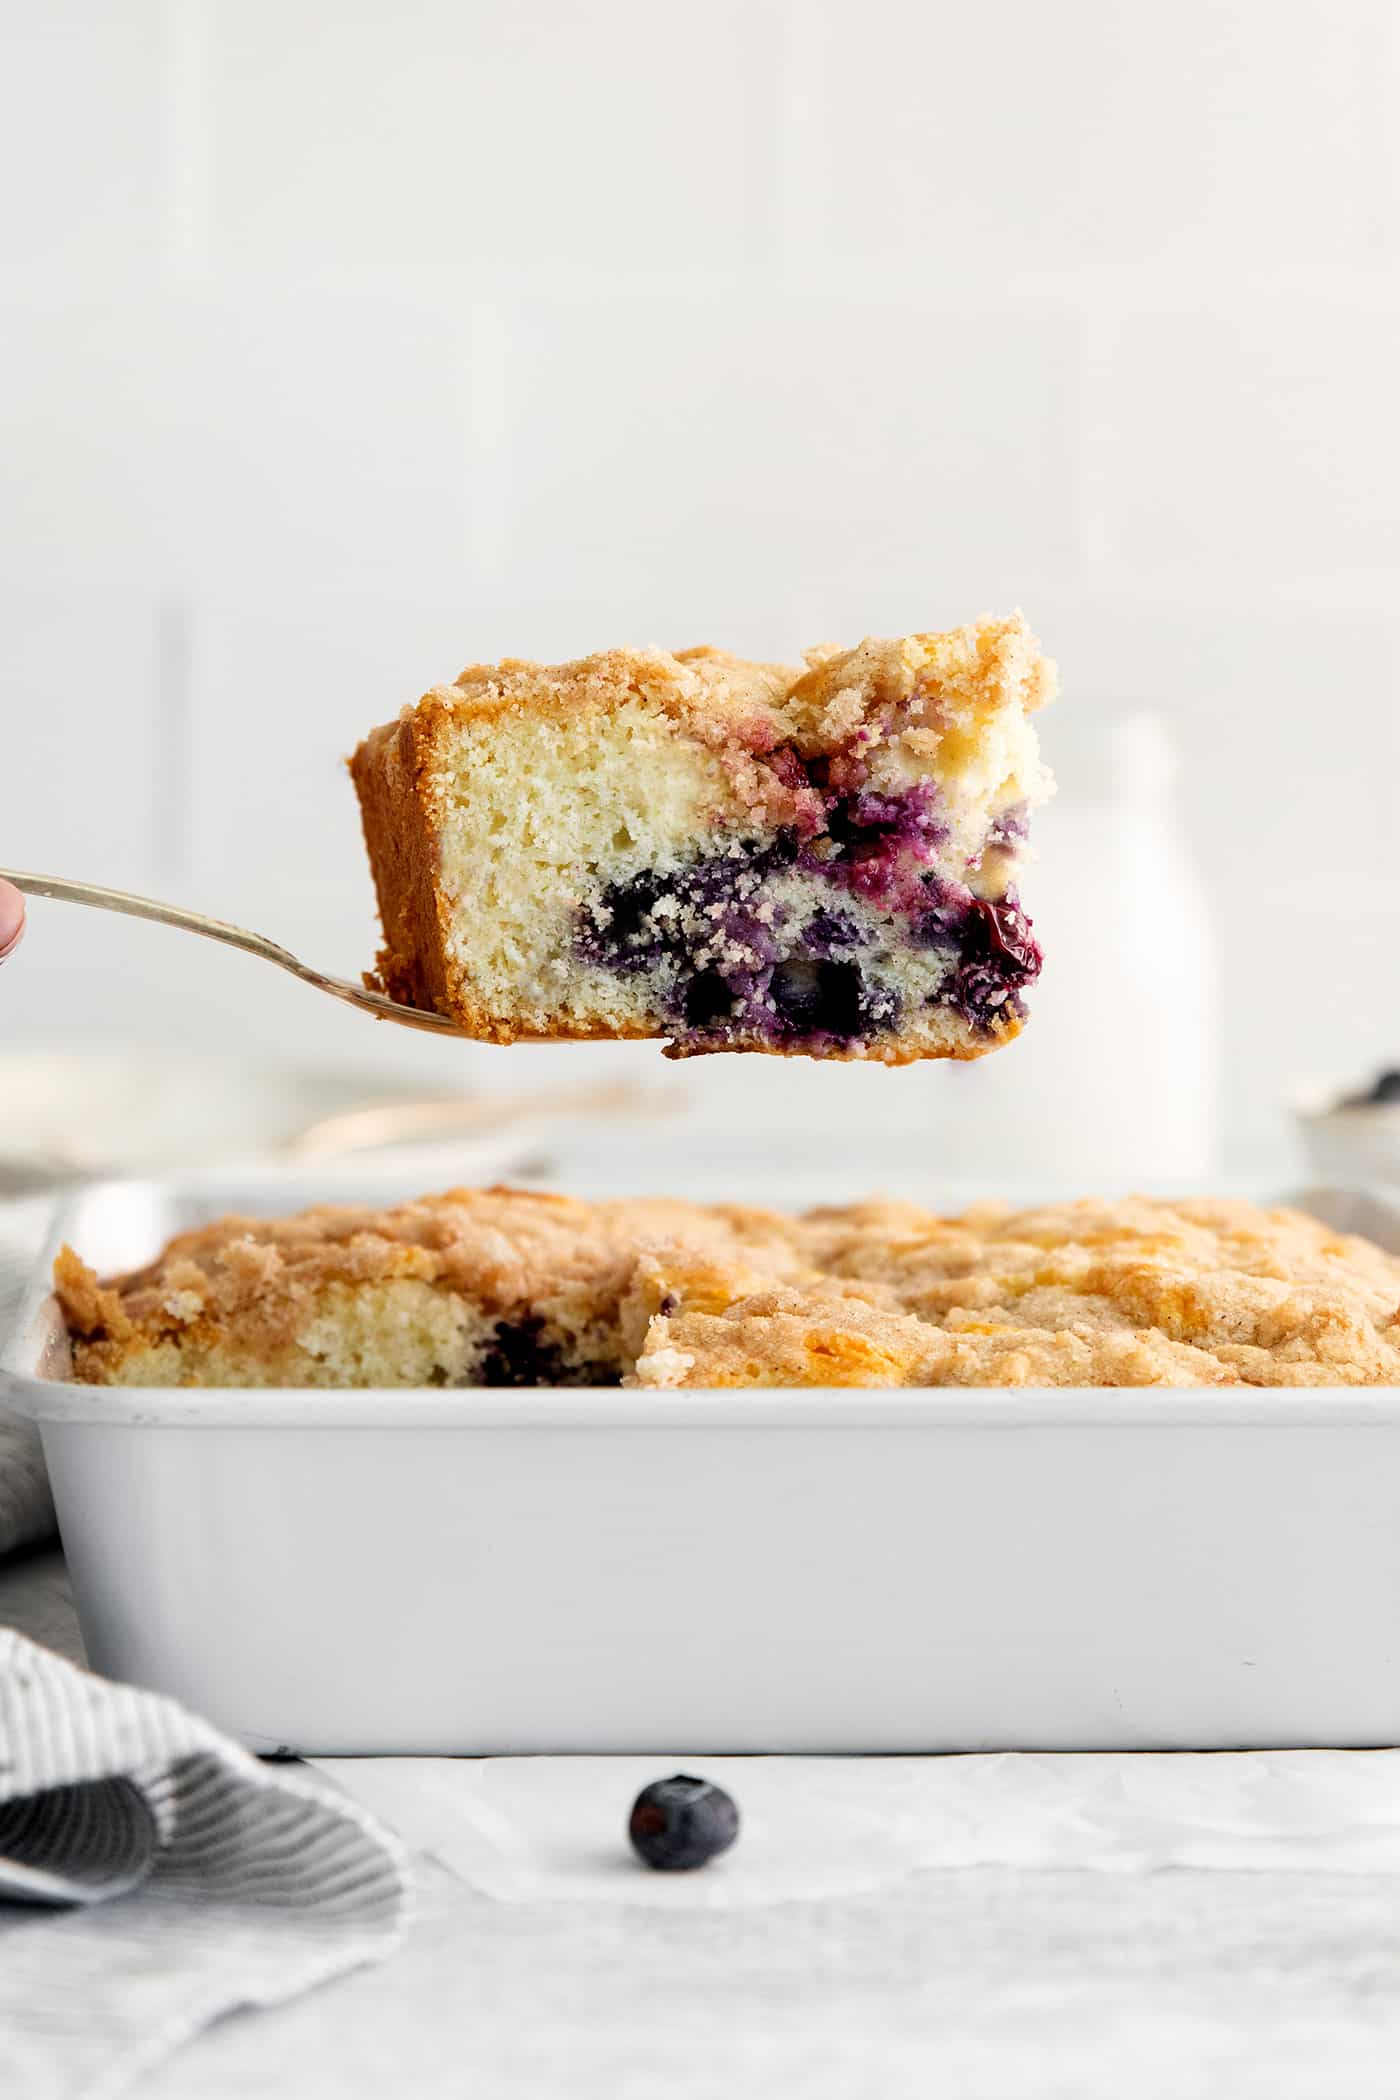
(345, 343)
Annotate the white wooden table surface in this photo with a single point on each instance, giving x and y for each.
(988, 1984)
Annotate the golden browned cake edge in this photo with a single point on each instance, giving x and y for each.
(387, 769)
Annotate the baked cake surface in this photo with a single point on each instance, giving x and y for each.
(734, 855)
(504, 1287)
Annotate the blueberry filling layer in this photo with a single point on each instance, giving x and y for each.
(730, 955)
(753, 942)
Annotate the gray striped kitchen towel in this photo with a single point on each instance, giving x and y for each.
(153, 1875)
(26, 1506)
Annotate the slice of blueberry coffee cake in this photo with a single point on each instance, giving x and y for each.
(736, 855)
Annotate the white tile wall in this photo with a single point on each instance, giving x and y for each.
(1256, 440)
(792, 462)
(440, 142)
(78, 785)
(342, 344)
(326, 448)
(83, 130)
(1016, 138)
(93, 423)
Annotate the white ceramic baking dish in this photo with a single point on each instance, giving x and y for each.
(631, 1571)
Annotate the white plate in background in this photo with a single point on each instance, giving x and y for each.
(78, 1115)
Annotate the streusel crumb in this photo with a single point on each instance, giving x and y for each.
(503, 1287)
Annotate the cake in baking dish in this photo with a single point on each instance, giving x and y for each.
(734, 855)
(502, 1287)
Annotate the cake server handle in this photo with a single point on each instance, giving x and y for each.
(64, 891)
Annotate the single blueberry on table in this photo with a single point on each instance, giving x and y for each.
(682, 1822)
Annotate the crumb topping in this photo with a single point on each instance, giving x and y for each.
(1138, 1292)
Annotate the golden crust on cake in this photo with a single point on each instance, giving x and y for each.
(441, 1274)
(502, 1287)
(638, 844)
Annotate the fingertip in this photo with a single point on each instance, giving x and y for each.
(11, 919)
